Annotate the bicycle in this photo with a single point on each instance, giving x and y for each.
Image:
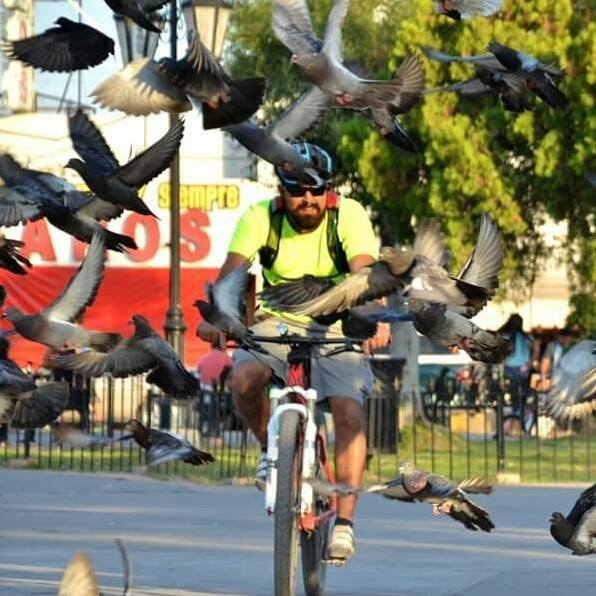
(297, 456)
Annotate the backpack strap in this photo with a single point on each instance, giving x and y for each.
(268, 252)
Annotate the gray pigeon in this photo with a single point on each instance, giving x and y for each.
(223, 308)
(145, 87)
(68, 47)
(138, 11)
(414, 274)
(270, 143)
(577, 531)
(101, 172)
(466, 9)
(510, 87)
(144, 351)
(573, 384)
(321, 61)
(443, 494)
(10, 257)
(55, 326)
(30, 195)
(540, 78)
(163, 446)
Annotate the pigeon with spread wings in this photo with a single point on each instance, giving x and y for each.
(55, 325)
(144, 351)
(414, 274)
(103, 174)
(442, 493)
(138, 10)
(466, 9)
(573, 384)
(68, 47)
(146, 86)
(321, 60)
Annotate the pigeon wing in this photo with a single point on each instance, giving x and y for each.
(293, 27)
(154, 160)
(46, 403)
(430, 242)
(333, 29)
(79, 578)
(90, 144)
(82, 287)
(13, 380)
(302, 114)
(140, 89)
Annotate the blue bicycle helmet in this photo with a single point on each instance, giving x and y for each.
(320, 159)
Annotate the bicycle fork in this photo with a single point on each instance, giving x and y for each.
(307, 412)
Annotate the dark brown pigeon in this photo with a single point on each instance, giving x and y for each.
(163, 446)
(70, 46)
(577, 531)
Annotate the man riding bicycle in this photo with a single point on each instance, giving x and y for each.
(307, 231)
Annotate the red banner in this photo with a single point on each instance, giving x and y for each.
(124, 292)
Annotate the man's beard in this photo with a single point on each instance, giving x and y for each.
(306, 222)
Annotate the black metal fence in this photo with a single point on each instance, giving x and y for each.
(459, 427)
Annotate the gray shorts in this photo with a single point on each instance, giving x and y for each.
(344, 375)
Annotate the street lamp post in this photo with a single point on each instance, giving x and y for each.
(209, 18)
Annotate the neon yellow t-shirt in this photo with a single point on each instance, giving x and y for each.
(304, 254)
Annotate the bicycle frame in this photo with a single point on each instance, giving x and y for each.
(305, 405)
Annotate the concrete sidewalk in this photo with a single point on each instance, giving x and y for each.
(185, 540)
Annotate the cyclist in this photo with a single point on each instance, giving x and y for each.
(307, 230)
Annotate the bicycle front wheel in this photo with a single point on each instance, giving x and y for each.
(287, 505)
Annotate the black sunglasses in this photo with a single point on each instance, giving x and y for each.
(299, 191)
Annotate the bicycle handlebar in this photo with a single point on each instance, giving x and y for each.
(304, 340)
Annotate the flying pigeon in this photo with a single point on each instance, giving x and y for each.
(541, 79)
(224, 303)
(573, 384)
(30, 195)
(414, 274)
(145, 86)
(68, 47)
(144, 351)
(510, 87)
(163, 446)
(443, 494)
(321, 61)
(22, 402)
(101, 172)
(10, 257)
(55, 325)
(577, 531)
(466, 9)
(138, 11)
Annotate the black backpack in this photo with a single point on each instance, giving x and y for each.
(268, 253)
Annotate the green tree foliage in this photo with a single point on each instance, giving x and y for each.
(474, 156)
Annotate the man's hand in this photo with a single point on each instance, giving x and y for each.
(207, 332)
(379, 340)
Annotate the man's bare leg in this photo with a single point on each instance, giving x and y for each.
(248, 383)
(350, 448)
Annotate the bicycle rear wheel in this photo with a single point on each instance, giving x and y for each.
(287, 505)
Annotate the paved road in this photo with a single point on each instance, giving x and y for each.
(189, 540)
